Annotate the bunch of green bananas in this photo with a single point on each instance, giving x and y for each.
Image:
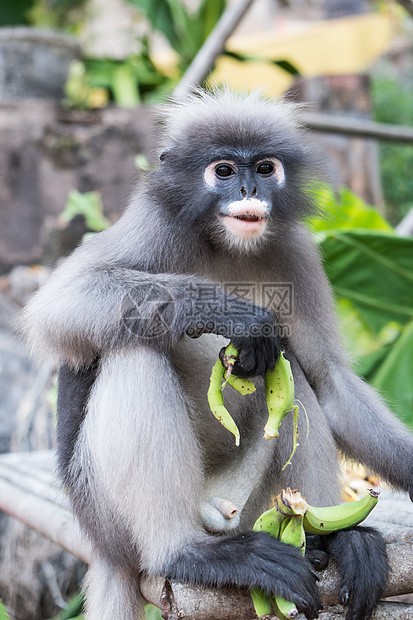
(290, 518)
(279, 393)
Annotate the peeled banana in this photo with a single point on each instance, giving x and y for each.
(216, 401)
(214, 395)
(279, 392)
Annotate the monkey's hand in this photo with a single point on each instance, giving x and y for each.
(250, 328)
(258, 350)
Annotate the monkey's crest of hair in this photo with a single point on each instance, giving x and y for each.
(226, 107)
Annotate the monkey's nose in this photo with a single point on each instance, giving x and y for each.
(244, 192)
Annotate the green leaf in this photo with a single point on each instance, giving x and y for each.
(371, 271)
(209, 13)
(124, 86)
(287, 66)
(90, 206)
(367, 348)
(74, 607)
(374, 271)
(343, 210)
(3, 612)
(152, 612)
(393, 378)
(14, 12)
(161, 17)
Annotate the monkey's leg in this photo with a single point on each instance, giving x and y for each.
(138, 482)
(112, 593)
(142, 455)
(361, 556)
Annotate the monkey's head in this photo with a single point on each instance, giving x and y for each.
(235, 168)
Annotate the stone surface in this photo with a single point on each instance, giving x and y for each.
(35, 62)
(46, 153)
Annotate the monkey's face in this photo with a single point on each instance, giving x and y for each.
(244, 189)
(234, 171)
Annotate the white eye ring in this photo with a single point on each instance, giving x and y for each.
(278, 169)
(210, 175)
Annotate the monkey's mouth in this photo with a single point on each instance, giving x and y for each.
(247, 219)
(245, 226)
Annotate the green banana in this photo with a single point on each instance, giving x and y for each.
(292, 533)
(284, 609)
(279, 392)
(290, 518)
(270, 521)
(333, 518)
(262, 602)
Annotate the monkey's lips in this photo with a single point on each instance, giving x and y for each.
(246, 222)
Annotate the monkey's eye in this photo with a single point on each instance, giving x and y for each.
(224, 170)
(265, 168)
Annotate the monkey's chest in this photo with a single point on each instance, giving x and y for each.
(193, 360)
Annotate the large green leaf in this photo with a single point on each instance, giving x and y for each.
(208, 15)
(344, 210)
(158, 13)
(371, 271)
(374, 271)
(171, 18)
(394, 376)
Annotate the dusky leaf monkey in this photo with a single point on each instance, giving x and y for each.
(135, 319)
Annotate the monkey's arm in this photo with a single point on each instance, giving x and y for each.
(364, 428)
(362, 425)
(90, 306)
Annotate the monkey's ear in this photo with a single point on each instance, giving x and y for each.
(165, 154)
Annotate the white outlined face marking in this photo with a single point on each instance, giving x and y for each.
(247, 218)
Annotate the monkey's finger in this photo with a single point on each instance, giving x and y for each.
(344, 596)
(317, 558)
(314, 541)
(309, 610)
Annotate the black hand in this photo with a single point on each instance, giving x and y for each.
(250, 328)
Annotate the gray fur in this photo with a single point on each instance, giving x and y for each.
(149, 452)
